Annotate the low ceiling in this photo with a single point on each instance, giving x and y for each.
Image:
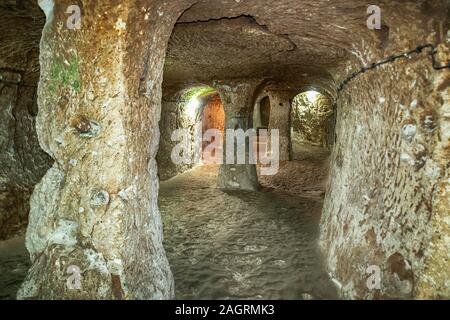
(280, 39)
(237, 48)
(296, 41)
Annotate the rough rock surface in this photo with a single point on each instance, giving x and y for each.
(238, 101)
(312, 121)
(387, 204)
(174, 115)
(23, 163)
(280, 120)
(96, 209)
(214, 115)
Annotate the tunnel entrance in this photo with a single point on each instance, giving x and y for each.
(187, 115)
(233, 243)
(311, 123)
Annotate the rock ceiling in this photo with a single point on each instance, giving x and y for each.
(302, 40)
(222, 39)
(253, 38)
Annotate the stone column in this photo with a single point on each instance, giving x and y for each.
(95, 230)
(238, 99)
(280, 119)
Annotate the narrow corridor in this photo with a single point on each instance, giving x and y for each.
(246, 245)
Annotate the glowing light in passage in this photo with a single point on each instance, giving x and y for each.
(192, 107)
(312, 95)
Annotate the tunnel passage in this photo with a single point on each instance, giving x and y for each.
(187, 115)
(214, 235)
(311, 121)
(100, 101)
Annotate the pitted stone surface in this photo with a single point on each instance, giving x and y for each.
(22, 161)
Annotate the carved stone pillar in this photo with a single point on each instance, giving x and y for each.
(238, 99)
(95, 230)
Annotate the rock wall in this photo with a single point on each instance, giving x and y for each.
(23, 162)
(213, 119)
(174, 116)
(214, 115)
(387, 201)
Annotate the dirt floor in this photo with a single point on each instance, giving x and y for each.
(248, 245)
(14, 264)
(306, 176)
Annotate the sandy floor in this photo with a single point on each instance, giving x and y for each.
(247, 245)
(232, 245)
(14, 263)
(306, 176)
